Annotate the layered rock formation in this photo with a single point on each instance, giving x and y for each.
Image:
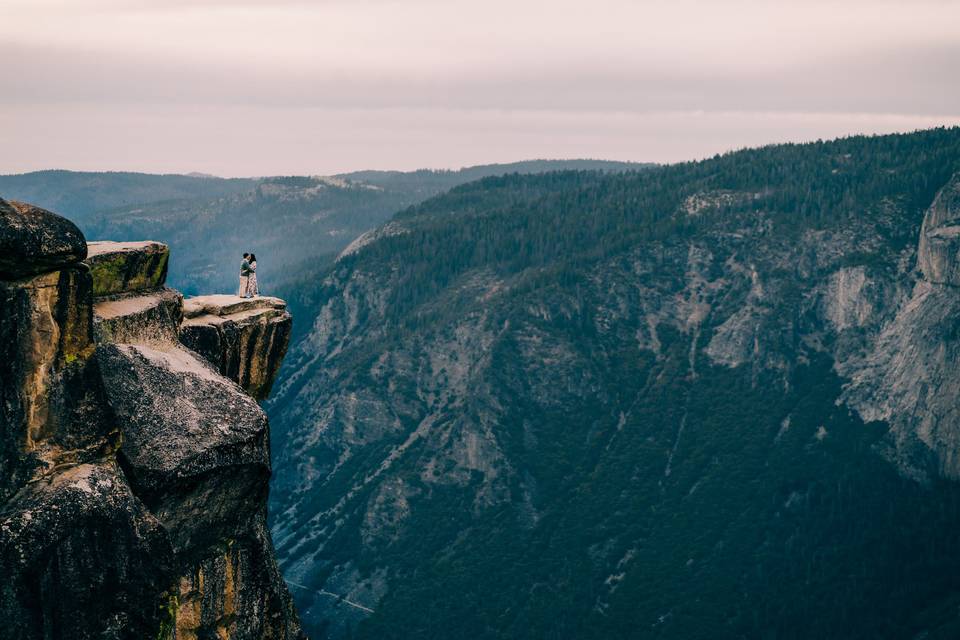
(133, 475)
(245, 339)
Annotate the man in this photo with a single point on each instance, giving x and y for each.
(244, 275)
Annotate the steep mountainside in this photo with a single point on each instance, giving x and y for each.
(714, 400)
(133, 473)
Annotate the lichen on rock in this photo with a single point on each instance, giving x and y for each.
(125, 267)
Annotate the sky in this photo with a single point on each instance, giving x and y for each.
(267, 87)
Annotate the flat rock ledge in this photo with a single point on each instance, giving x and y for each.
(150, 318)
(127, 267)
(227, 305)
(244, 338)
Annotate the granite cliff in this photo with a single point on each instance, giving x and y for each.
(133, 471)
(909, 377)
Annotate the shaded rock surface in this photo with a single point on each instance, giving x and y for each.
(245, 339)
(53, 407)
(222, 597)
(186, 428)
(83, 558)
(34, 240)
(134, 476)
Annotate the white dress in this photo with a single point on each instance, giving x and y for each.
(252, 289)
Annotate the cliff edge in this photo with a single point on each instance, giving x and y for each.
(133, 470)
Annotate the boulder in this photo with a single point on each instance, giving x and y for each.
(196, 452)
(152, 318)
(195, 446)
(81, 559)
(245, 339)
(127, 267)
(34, 240)
(938, 254)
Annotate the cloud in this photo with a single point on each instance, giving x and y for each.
(585, 66)
(248, 140)
(909, 80)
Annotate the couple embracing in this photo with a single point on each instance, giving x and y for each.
(248, 277)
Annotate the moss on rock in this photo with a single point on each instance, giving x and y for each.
(127, 267)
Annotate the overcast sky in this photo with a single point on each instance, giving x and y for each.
(258, 87)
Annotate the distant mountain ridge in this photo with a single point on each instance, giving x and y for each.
(78, 194)
(295, 224)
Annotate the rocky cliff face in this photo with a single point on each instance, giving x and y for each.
(910, 375)
(133, 475)
(714, 401)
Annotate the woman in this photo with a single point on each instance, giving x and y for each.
(244, 275)
(252, 289)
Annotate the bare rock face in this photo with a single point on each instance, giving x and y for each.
(124, 267)
(910, 377)
(82, 558)
(188, 428)
(53, 408)
(938, 255)
(133, 475)
(911, 380)
(220, 596)
(34, 240)
(196, 452)
(150, 318)
(244, 338)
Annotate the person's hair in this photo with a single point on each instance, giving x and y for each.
(253, 257)
(246, 255)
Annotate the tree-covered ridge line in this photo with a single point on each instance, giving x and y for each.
(516, 222)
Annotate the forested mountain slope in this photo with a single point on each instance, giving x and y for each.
(714, 400)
